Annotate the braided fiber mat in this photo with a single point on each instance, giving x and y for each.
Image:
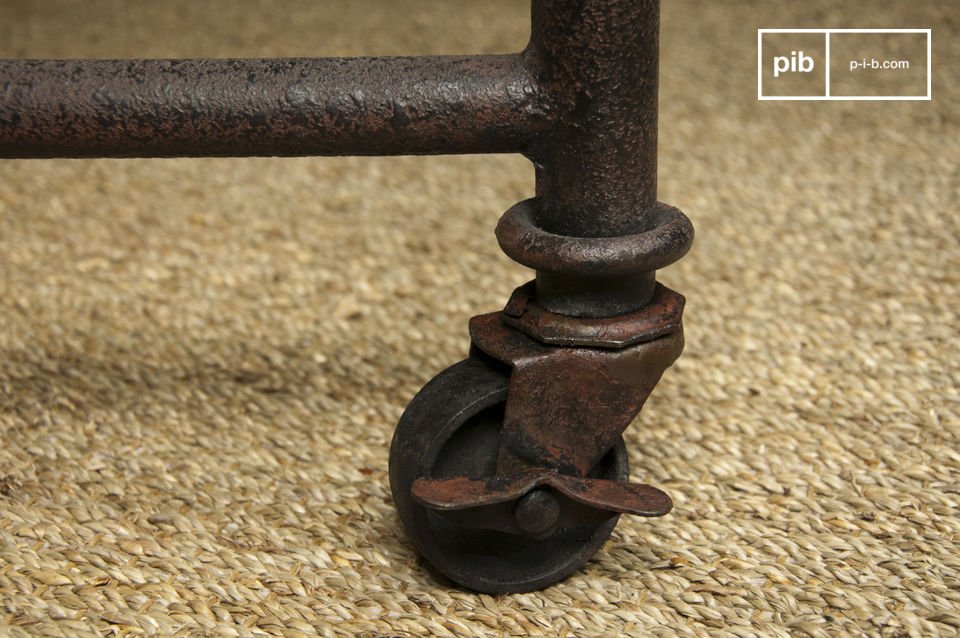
(202, 361)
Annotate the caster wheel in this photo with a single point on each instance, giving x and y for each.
(452, 428)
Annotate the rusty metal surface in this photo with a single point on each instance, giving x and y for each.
(598, 63)
(568, 406)
(293, 106)
(594, 276)
(462, 492)
(661, 316)
(523, 241)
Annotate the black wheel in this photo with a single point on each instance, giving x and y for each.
(452, 428)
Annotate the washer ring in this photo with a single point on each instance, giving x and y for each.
(526, 243)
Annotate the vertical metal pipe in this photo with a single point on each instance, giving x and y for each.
(596, 173)
(597, 61)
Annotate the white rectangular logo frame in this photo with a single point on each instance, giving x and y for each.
(827, 96)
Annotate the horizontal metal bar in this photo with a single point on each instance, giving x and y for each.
(272, 107)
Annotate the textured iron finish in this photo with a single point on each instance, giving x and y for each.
(597, 61)
(659, 318)
(594, 276)
(667, 241)
(568, 405)
(288, 107)
(461, 492)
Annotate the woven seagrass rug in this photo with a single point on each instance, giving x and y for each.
(202, 361)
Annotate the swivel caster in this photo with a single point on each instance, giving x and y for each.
(508, 469)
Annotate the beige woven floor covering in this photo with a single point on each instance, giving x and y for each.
(202, 361)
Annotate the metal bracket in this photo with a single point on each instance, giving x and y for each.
(566, 408)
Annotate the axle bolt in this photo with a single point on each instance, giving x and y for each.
(537, 512)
